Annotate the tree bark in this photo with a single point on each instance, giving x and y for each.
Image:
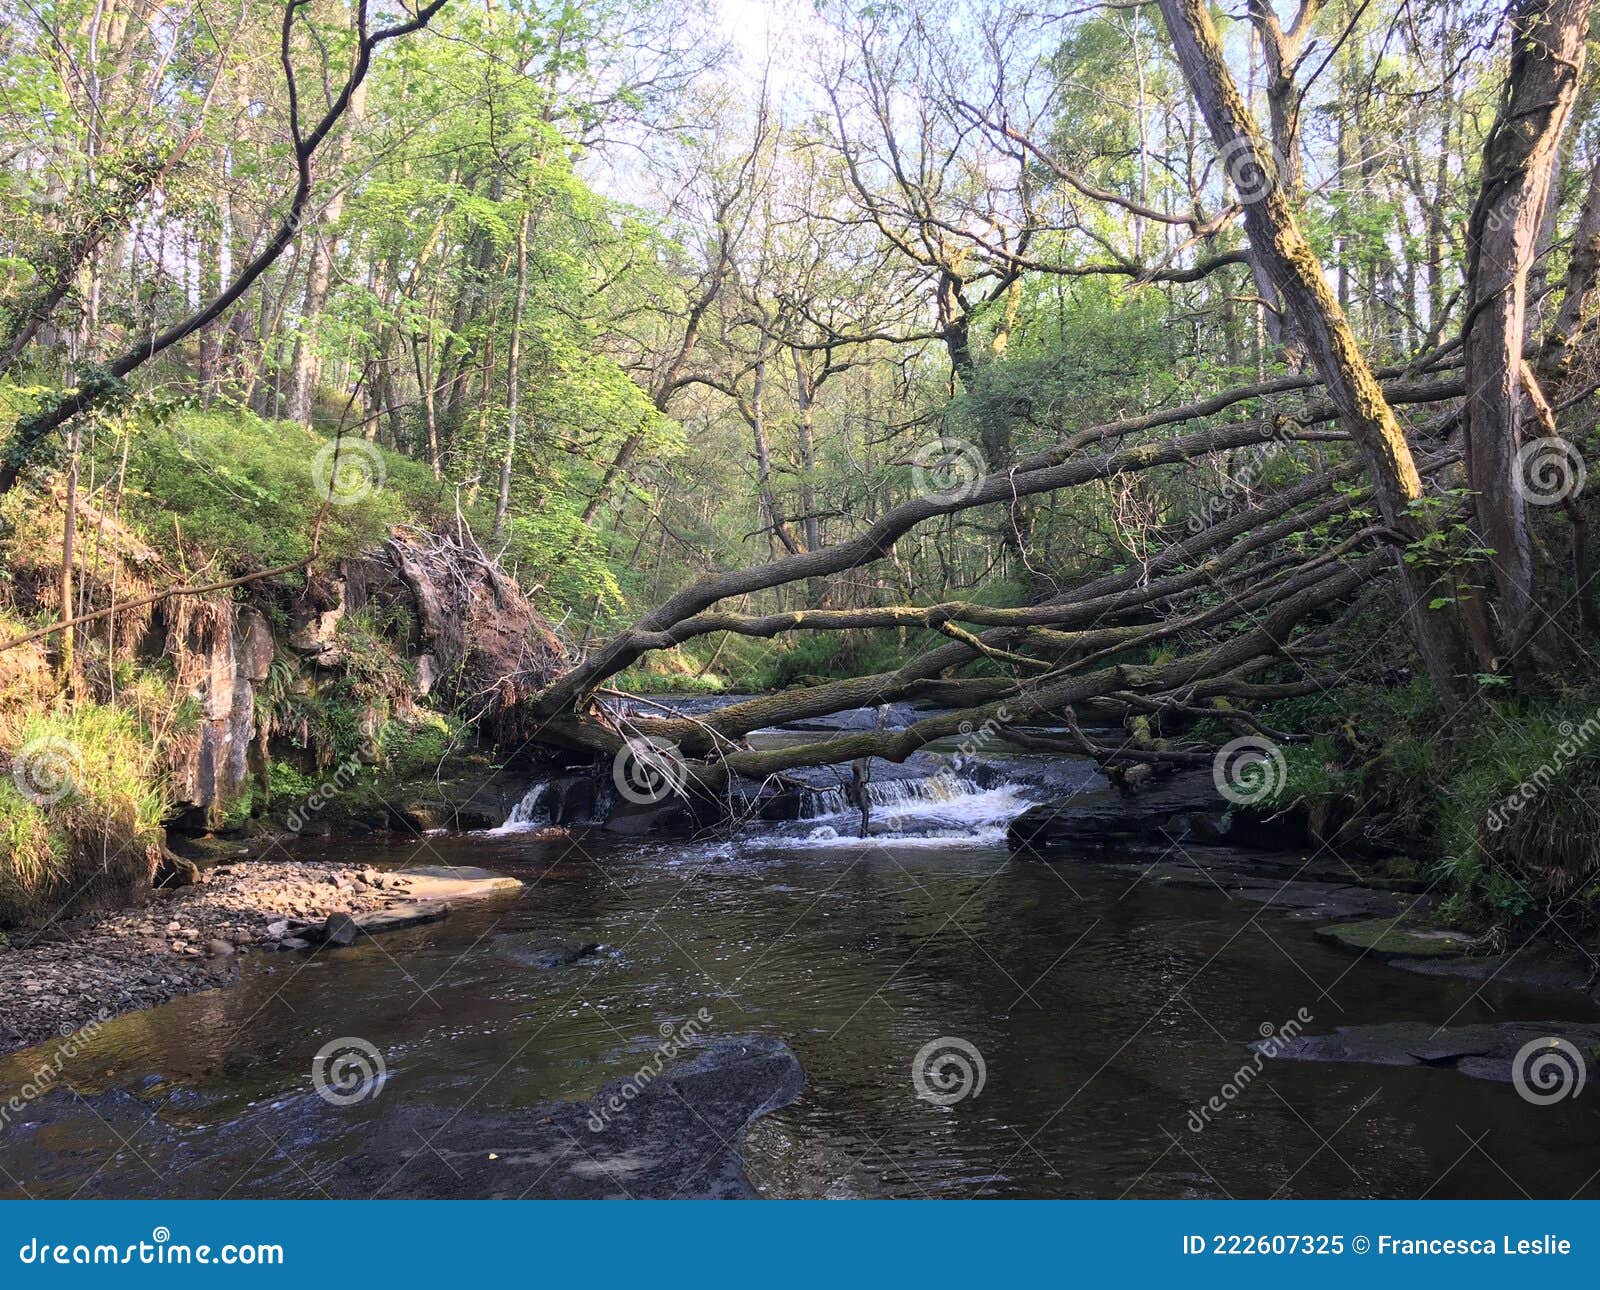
(513, 379)
(1547, 54)
(1274, 232)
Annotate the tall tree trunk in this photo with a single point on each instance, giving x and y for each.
(513, 378)
(1547, 53)
(319, 278)
(1364, 412)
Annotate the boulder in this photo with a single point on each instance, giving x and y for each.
(1091, 822)
(174, 871)
(340, 930)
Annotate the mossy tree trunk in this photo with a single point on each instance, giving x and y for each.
(1275, 235)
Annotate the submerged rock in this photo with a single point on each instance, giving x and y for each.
(655, 1133)
(1483, 1051)
(551, 955)
(676, 1134)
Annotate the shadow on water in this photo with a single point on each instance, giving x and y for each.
(1105, 1011)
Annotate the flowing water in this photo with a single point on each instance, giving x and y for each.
(1106, 1011)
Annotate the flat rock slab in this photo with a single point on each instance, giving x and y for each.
(1543, 967)
(393, 920)
(456, 882)
(1273, 884)
(1385, 938)
(1482, 1051)
(677, 1134)
(432, 889)
(1094, 821)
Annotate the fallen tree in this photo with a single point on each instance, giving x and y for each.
(1240, 601)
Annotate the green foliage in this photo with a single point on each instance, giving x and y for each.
(1502, 807)
(246, 489)
(82, 810)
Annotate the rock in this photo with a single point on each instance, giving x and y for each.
(339, 930)
(1187, 808)
(1480, 1051)
(1548, 967)
(1384, 938)
(220, 948)
(277, 928)
(401, 916)
(253, 644)
(554, 955)
(293, 943)
(174, 871)
(677, 1135)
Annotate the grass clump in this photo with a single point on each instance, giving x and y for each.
(81, 811)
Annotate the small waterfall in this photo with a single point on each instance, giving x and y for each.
(532, 811)
(941, 810)
(568, 799)
(946, 786)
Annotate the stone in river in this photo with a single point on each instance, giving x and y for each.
(340, 929)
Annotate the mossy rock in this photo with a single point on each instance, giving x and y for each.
(1386, 939)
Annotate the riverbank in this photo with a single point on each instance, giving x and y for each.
(77, 972)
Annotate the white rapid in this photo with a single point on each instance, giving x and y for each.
(941, 810)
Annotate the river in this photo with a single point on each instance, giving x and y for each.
(1105, 1012)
